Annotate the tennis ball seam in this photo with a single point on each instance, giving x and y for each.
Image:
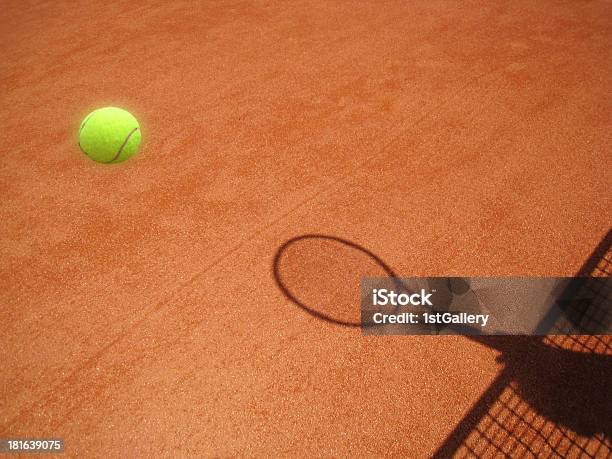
(100, 134)
(83, 126)
(86, 120)
(127, 139)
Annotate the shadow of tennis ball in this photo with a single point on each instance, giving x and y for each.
(322, 274)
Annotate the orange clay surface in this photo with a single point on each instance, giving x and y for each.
(139, 310)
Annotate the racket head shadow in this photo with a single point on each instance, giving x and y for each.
(322, 274)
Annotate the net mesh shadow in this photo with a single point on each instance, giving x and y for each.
(502, 424)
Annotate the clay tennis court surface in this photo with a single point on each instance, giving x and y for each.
(140, 314)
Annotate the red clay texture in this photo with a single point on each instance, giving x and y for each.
(140, 314)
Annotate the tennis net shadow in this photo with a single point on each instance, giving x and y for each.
(552, 397)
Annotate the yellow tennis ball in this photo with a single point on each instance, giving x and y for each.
(109, 135)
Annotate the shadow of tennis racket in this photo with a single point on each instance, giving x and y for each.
(323, 275)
